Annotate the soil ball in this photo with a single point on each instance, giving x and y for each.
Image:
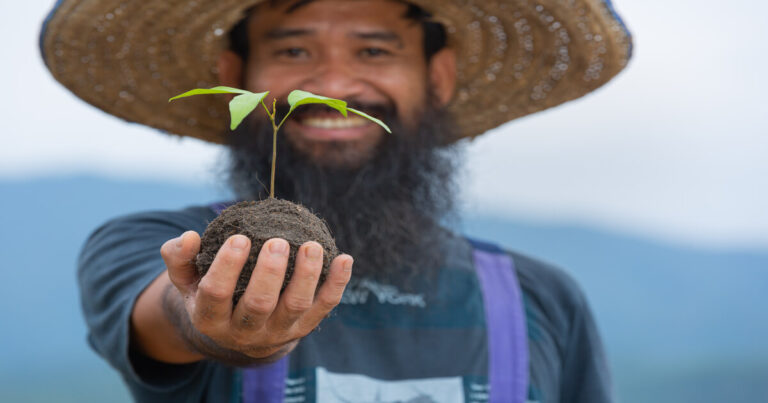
(261, 221)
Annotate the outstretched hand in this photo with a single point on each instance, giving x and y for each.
(264, 322)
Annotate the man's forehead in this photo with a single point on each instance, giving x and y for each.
(385, 21)
(307, 11)
(289, 6)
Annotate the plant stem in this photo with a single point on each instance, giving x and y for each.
(274, 158)
(275, 128)
(283, 121)
(274, 149)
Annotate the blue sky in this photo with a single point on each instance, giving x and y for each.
(673, 148)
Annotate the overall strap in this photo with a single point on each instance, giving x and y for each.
(265, 383)
(505, 324)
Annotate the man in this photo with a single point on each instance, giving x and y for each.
(427, 315)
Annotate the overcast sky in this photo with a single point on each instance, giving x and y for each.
(676, 147)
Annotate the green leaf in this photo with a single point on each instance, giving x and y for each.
(214, 90)
(241, 105)
(298, 97)
(371, 118)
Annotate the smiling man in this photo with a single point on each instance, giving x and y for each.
(428, 315)
(368, 53)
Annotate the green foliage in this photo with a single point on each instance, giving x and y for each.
(371, 118)
(246, 101)
(215, 90)
(298, 97)
(241, 105)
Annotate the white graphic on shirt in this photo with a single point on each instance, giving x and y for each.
(295, 390)
(478, 392)
(357, 293)
(354, 388)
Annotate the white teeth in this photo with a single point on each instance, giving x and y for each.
(335, 123)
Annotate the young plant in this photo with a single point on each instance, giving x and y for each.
(269, 218)
(245, 102)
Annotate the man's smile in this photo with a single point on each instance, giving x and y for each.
(332, 126)
(334, 122)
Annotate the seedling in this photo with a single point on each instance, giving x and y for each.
(245, 102)
(270, 218)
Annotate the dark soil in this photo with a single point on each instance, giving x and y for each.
(260, 221)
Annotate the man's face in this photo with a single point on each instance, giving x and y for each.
(363, 51)
(367, 53)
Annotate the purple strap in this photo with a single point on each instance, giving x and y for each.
(265, 383)
(506, 327)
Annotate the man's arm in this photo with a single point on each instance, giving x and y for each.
(586, 377)
(567, 359)
(181, 318)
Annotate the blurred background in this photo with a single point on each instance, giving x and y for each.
(651, 192)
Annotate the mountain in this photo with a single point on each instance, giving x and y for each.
(679, 323)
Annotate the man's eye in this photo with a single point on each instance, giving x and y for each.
(374, 52)
(292, 52)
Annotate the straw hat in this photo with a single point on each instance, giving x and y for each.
(515, 57)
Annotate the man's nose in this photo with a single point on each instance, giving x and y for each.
(335, 78)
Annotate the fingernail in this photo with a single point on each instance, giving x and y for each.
(278, 247)
(238, 242)
(348, 264)
(313, 251)
(178, 241)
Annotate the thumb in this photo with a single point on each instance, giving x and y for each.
(179, 254)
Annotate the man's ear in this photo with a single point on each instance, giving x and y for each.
(230, 67)
(442, 74)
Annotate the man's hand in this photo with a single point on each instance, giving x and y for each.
(264, 325)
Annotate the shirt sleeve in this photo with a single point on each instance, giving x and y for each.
(585, 371)
(117, 262)
(567, 359)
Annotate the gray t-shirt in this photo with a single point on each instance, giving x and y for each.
(382, 343)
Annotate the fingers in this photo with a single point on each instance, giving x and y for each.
(260, 298)
(213, 301)
(329, 294)
(264, 319)
(299, 295)
(178, 254)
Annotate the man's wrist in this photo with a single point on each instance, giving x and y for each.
(202, 345)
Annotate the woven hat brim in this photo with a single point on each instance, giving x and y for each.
(515, 58)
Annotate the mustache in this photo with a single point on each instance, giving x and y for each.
(386, 111)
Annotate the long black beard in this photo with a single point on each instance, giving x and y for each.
(386, 213)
